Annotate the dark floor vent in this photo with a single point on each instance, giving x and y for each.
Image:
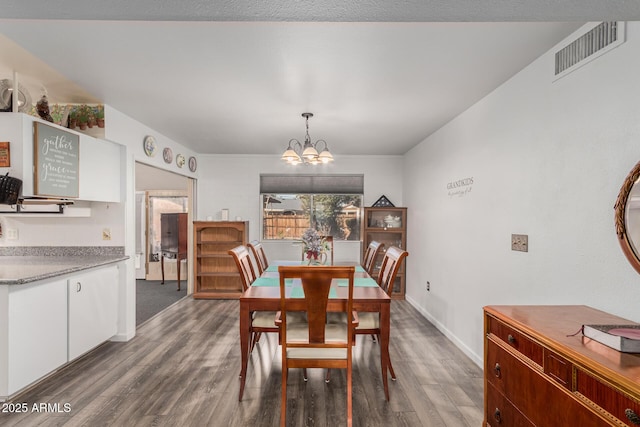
(593, 43)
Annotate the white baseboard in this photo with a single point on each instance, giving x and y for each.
(123, 337)
(477, 359)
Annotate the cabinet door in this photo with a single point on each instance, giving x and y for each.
(99, 174)
(37, 331)
(93, 309)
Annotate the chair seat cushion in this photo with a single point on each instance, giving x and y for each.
(317, 353)
(299, 332)
(263, 319)
(266, 319)
(368, 320)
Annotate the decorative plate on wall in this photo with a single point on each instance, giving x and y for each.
(167, 155)
(149, 146)
(193, 164)
(180, 161)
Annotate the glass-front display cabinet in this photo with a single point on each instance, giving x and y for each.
(387, 225)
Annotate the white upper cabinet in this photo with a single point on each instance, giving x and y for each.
(99, 168)
(99, 171)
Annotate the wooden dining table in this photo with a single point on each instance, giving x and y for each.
(267, 298)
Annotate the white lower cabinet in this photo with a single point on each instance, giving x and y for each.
(37, 332)
(48, 323)
(93, 309)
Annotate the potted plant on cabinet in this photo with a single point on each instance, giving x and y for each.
(73, 117)
(83, 116)
(99, 114)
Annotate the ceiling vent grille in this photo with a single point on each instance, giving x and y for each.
(595, 42)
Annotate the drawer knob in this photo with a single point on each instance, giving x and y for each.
(497, 416)
(497, 370)
(632, 416)
(511, 339)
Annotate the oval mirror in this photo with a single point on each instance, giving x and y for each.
(627, 217)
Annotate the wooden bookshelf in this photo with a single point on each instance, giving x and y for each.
(215, 273)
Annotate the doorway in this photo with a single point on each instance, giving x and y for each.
(159, 191)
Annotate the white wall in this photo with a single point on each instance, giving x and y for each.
(233, 182)
(547, 159)
(129, 132)
(59, 230)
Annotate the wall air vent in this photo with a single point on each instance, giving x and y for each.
(601, 38)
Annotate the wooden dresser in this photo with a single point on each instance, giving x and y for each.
(536, 374)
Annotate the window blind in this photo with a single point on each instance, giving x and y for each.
(311, 184)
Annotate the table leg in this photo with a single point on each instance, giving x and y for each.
(162, 267)
(385, 326)
(178, 259)
(245, 325)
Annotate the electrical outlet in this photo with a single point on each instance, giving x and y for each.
(520, 242)
(106, 234)
(428, 286)
(12, 234)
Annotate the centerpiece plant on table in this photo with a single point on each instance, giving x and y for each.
(314, 247)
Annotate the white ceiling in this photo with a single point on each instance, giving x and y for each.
(234, 76)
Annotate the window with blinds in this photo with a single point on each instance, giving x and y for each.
(331, 204)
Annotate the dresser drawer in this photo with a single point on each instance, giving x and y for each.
(500, 412)
(609, 399)
(532, 393)
(558, 368)
(515, 339)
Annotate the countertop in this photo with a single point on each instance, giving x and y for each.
(17, 270)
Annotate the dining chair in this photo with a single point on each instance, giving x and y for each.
(370, 322)
(259, 255)
(261, 321)
(317, 344)
(370, 256)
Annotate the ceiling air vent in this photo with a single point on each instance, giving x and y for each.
(601, 38)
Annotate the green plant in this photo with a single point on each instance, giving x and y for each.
(99, 112)
(57, 113)
(83, 113)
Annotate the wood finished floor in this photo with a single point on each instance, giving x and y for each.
(182, 369)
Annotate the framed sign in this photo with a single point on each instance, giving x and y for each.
(5, 158)
(56, 161)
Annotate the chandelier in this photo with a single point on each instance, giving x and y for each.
(297, 153)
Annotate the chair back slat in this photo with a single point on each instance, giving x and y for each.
(391, 263)
(259, 255)
(316, 285)
(369, 260)
(241, 256)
